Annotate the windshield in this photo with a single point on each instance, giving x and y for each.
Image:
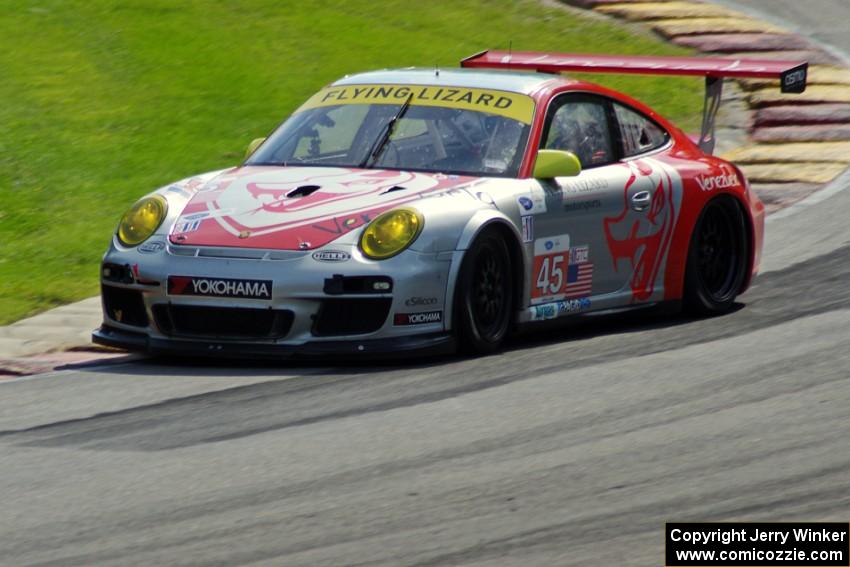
(448, 130)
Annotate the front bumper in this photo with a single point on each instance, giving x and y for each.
(398, 347)
(314, 307)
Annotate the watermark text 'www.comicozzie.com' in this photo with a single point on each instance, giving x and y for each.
(767, 544)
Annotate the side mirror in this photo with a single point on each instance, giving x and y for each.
(255, 143)
(556, 163)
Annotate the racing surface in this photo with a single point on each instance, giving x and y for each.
(572, 447)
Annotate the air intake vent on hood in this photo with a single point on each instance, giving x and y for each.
(302, 191)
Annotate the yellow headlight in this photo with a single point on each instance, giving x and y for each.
(391, 233)
(142, 220)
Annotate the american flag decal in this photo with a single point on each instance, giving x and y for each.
(579, 280)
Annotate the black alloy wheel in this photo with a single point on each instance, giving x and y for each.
(484, 295)
(717, 258)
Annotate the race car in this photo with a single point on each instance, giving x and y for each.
(426, 209)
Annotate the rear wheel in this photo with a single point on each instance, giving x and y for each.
(717, 258)
(484, 296)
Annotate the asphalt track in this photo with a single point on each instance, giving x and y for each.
(571, 448)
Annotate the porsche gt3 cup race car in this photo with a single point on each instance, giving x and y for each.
(421, 209)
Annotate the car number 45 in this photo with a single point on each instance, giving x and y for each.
(551, 260)
(551, 275)
(551, 272)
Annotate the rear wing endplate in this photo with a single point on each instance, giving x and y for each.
(792, 75)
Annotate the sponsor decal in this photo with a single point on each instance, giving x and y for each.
(177, 190)
(420, 301)
(551, 256)
(527, 229)
(402, 319)
(516, 106)
(331, 256)
(534, 203)
(187, 226)
(794, 77)
(151, 247)
(579, 254)
(794, 80)
(559, 308)
(548, 311)
(585, 185)
(639, 241)
(220, 287)
(572, 206)
(560, 243)
(561, 272)
(713, 182)
(573, 305)
(196, 216)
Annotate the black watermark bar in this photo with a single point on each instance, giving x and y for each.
(757, 544)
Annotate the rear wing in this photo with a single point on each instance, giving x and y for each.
(791, 74)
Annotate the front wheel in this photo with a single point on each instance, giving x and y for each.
(484, 296)
(717, 258)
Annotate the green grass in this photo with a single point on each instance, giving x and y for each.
(103, 101)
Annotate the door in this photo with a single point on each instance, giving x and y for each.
(574, 258)
(638, 236)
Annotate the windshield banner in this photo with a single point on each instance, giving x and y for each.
(510, 105)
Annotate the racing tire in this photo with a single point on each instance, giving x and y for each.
(718, 256)
(485, 295)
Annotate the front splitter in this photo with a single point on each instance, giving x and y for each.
(431, 344)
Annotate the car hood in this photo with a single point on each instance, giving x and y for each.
(297, 208)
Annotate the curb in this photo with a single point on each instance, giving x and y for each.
(797, 143)
(67, 360)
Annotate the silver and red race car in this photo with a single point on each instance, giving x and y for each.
(424, 209)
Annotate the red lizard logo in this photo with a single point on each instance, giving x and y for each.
(647, 237)
(325, 189)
